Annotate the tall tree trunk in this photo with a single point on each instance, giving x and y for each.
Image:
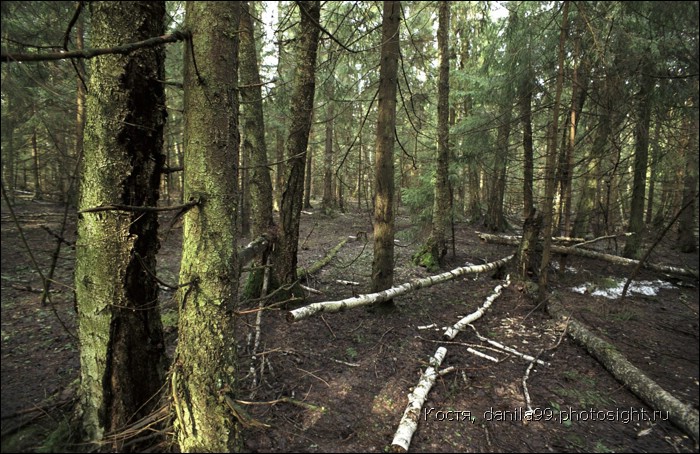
(204, 373)
(641, 154)
(121, 338)
(383, 261)
(35, 167)
(434, 250)
(653, 172)
(550, 165)
(579, 93)
(284, 257)
(80, 113)
(307, 179)
(687, 241)
(328, 202)
(253, 131)
(526, 89)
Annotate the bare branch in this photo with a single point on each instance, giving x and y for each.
(91, 53)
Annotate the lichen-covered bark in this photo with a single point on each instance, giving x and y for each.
(121, 339)
(284, 257)
(383, 262)
(204, 374)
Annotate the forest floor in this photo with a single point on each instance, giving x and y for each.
(339, 382)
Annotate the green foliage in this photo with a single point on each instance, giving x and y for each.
(419, 198)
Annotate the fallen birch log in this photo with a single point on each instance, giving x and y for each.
(385, 295)
(416, 399)
(682, 415)
(513, 240)
(452, 331)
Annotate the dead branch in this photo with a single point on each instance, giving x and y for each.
(601, 238)
(120, 207)
(124, 49)
(385, 295)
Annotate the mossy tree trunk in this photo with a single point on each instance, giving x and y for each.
(121, 338)
(284, 257)
(383, 262)
(204, 371)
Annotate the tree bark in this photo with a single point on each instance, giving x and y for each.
(550, 166)
(328, 201)
(122, 349)
(383, 261)
(433, 252)
(253, 140)
(204, 373)
(687, 241)
(641, 154)
(284, 257)
(389, 294)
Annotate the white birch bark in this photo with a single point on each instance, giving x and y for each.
(416, 399)
(452, 331)
(385, 295)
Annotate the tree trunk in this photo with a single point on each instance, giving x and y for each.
(687, 242)
(121, 338)
(641, 154)
(253, 131)
(327, 203)
(653, 172)
(432, 254)
(307, 178)
(550, 165)
(383, 262)
(204, 372)
(284, 258)
(525, 97)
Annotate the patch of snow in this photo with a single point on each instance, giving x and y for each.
(647, 288)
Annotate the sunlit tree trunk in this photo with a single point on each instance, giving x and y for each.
(383, 262)
(121, 339)
(204, 372)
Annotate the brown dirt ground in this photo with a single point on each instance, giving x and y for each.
(355, 369)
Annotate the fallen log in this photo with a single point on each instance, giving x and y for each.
(682, 415)
(416, 399)
(514, 240)
(452, 331)
(303, 272)
(385, 295)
